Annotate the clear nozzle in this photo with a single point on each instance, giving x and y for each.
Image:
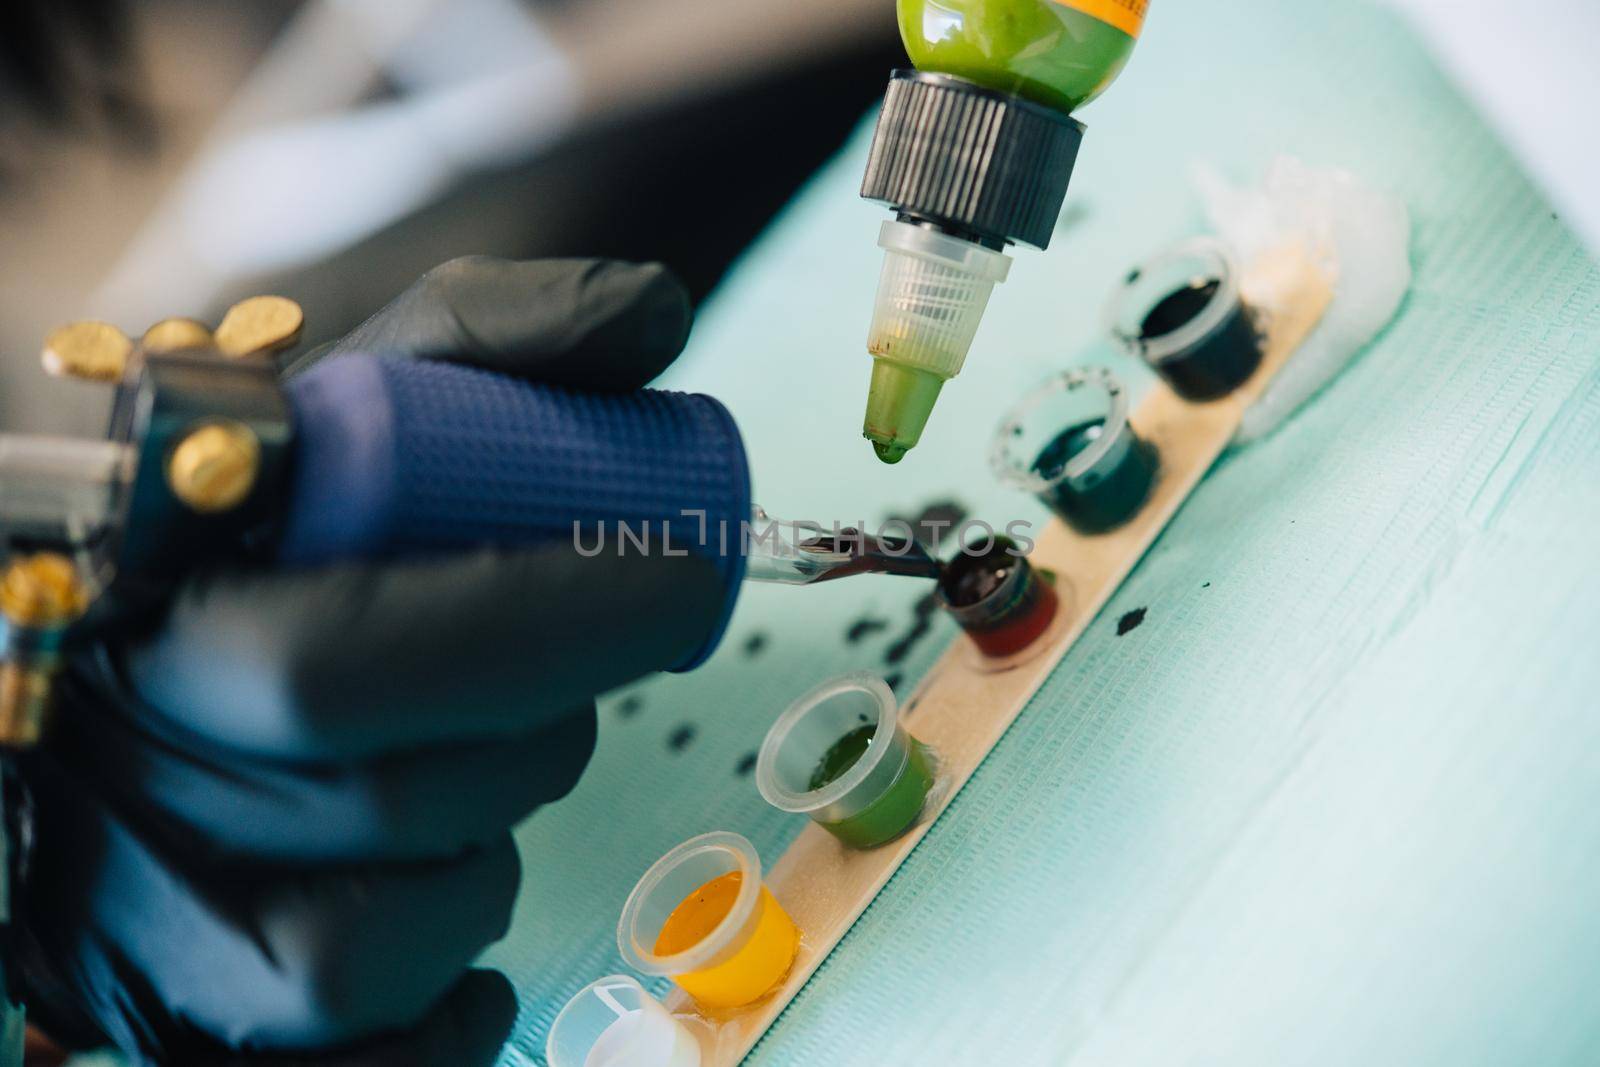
(801, 553)
(931, 296)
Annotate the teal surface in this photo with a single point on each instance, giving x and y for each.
(1333, 801)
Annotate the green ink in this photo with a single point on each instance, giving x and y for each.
(895, 810)
(844, 754)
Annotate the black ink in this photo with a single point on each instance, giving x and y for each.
(1215, 364)
(921, 624)
(1113, 497)
(1130, 621)
(861, 629)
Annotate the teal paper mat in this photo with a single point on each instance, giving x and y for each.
(1333, 800)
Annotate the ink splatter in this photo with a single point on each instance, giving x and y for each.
(680, 738)
(1077, 211)
(629, 706)
(755, 643)
(747, 763)
(934, 524)
(1131, 620)
(861, 629)
(921, 625)
(893, 680)
(933, 527)
(1205, 585)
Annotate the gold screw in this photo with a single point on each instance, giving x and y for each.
(260, 325)
(93, 351)
(24, 701)
(214, 468)
(42, 592)
(175, 335)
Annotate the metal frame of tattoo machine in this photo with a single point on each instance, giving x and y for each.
(197, 456)
(1182, 313)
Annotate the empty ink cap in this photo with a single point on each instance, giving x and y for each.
(614, 1023)
(1181, 312)
(866, 801)
(1069, 442)
(931, 296)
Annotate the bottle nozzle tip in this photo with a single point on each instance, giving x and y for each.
(898, 406)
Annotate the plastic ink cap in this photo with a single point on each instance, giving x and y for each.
(876, 797)
(1069, 442)
(742, 956)
(614, 1023)
(1181, 312)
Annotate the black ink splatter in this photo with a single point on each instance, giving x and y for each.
(861, 629)
(1131, 620)
(747, 763)
(934, 524)
(1205, 585)
(755, 643)
(893, 680)
(629, 707)
(680, 738)
(921, 625)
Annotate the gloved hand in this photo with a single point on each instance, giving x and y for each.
(279, 824)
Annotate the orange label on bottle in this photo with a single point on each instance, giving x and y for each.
(1125, 15)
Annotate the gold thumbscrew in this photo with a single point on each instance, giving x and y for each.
(41, 594)
(99, 352)
(176, 335)
(92, 351)
(260, 325)
(214, 467)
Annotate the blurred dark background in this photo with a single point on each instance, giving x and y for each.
(170, 156)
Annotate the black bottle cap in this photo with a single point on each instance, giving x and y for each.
(978, 163)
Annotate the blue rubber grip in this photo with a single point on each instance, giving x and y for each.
(399, 457)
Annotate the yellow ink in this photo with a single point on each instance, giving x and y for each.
(755, 968)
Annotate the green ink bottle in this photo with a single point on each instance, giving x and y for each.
(973, 151)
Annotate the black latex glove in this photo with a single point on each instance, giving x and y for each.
(280, 823)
